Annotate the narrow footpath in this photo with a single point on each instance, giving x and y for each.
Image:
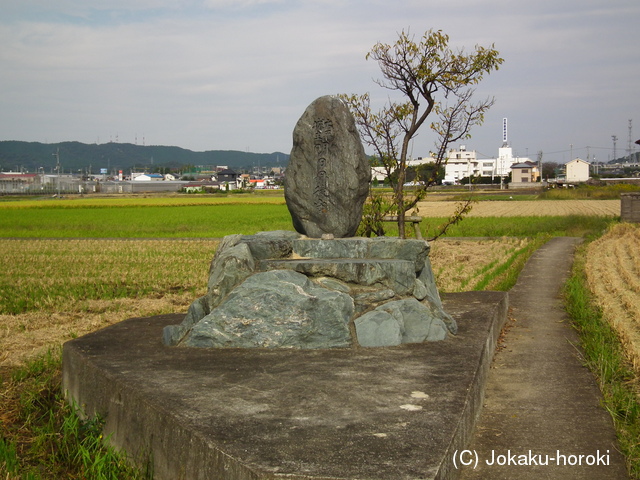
(542, 416)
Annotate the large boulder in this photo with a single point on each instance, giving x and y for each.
(400, 321)
(277, 309)
(327, 180)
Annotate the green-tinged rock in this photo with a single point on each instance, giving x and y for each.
(173, 334)
(410, 249)
(277, 309)
(399, 275)
(399, 321)
(334, 248)
(375, 296)
(276, 244)
(414, 318)
(378, 329)
(333, 284)
(229, 268)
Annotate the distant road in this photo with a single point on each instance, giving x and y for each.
(525, 208)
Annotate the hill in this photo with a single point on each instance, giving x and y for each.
(74, 156)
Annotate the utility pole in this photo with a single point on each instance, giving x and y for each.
(630, 148)
(540, 164)
(57, 155)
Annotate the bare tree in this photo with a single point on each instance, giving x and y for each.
(433, 79)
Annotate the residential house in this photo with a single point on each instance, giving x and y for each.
(227, 175)
(577, 170)
(524, 174)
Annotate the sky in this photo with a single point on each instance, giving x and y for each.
(238, 74)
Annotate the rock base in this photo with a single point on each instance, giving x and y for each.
(284, 290)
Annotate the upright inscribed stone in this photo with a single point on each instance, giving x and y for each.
(327, 180)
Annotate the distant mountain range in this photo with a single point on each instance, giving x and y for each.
(74, 156)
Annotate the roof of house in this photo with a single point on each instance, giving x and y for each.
(17, 175)
(523, 165)
(579, 160)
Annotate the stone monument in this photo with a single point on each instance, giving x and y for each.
(327, 180)
(320, 287)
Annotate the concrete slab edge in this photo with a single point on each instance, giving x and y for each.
(176, 453)
(475, 398)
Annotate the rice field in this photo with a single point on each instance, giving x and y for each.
(613, 275)
(526, 208)
(54, 290)
(77, 265)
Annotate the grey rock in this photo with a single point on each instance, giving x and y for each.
(432, 299)
(411, 249)
(399, 275)
(378, 329)
(337, 248)
(414, 318)
(173, 334)
(420, 290)
(276, 244)
(333, 284)
(412, 321)
(367, 298)
(277, 309)
(438, 312)
(328, 176)
(428, 279)
(438, 331)
(229, 268)
(279, 289)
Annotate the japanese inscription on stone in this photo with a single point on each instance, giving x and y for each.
(323, 135)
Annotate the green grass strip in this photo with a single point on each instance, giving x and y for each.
(201, 221)
(505, 275)
(555, 226)
(604, 355)
(44, 438)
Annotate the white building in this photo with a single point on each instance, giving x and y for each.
(460, 164)
(463, 163)
(577, 170)
(146, 177)
(378, 173)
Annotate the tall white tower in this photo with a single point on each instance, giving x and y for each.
(505, 153)
(505, 138)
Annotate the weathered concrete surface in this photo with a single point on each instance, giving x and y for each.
(369, 413)
(540, 396)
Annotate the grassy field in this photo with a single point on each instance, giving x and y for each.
(153, 221)
(57, 282)
(197, 216)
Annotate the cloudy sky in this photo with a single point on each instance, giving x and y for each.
(237, 74)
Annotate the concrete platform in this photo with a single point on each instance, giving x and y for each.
(367, 413)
